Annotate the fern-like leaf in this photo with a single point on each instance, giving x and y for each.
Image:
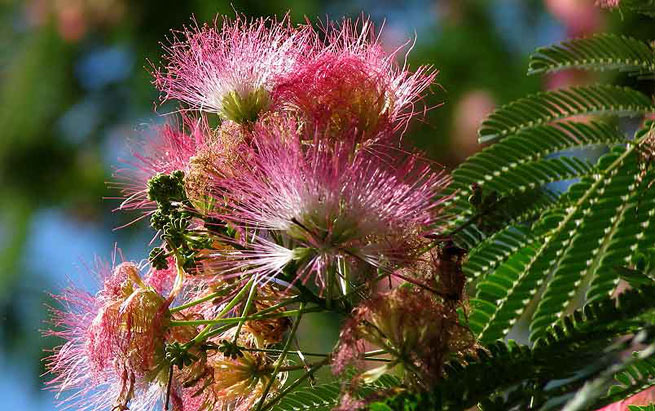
(529, 146)
(561, 358)
(599, 52)
(591, 229)
(494, 250)
(324, 397)
(501, 168)
(632, 230)
(321, 397)
(574, 244)
(549, 106)
(638, 376)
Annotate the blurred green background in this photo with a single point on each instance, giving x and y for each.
(74, 92)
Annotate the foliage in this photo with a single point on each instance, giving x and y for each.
(326, 396)
(570, 353)
(568, 248)
(599, 52)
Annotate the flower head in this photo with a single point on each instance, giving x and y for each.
(241, 379)
(232, 381)
(417, 331)
(192, 148)
(114, 340)
(325, 204)
(168, 148)
(351, 82)
(129, 329)
(231, 69)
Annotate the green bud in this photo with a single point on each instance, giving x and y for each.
(158, 220)
(165, 189)
(179, 355)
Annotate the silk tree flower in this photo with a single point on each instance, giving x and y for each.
(327, 209)
(233, 382)
(268, 331)
(351, 81)
(240, 382)
(162, 280)
(417, 331)
(114, 341)
(230, 70)
(167, 148)
(262, 332)
(192, 147)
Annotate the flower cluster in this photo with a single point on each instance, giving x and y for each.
(283, 190)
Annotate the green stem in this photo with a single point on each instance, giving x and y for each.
(375, 353)
(330, 286)
(343, 268)
(308, 296)
(203, 334)
(290, 367)
(280, 359)
(281, 304)
(246, 308)
(181, 274)
(195, 302)
(382, 341)
(365, 285)
(228, 326)
(217, 331)
(236, 320)
(368, 355)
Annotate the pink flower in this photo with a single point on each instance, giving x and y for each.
(193, 148)
(608, 4)
(349, 402)
(325, 205)
(167, 149)
(352, 82)
(162, 281)
(417, 330)
(113, 350)
(231, 69)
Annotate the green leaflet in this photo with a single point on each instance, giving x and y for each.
(650, 407)
(549, 106)
(574, 245)
(510, 376)
(633, 231)
(598, 52)
(494, 250)
(326, 396)
(637, 377)
(519, 166)
(581, 242)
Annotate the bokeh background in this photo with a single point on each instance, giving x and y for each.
(75, 90)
